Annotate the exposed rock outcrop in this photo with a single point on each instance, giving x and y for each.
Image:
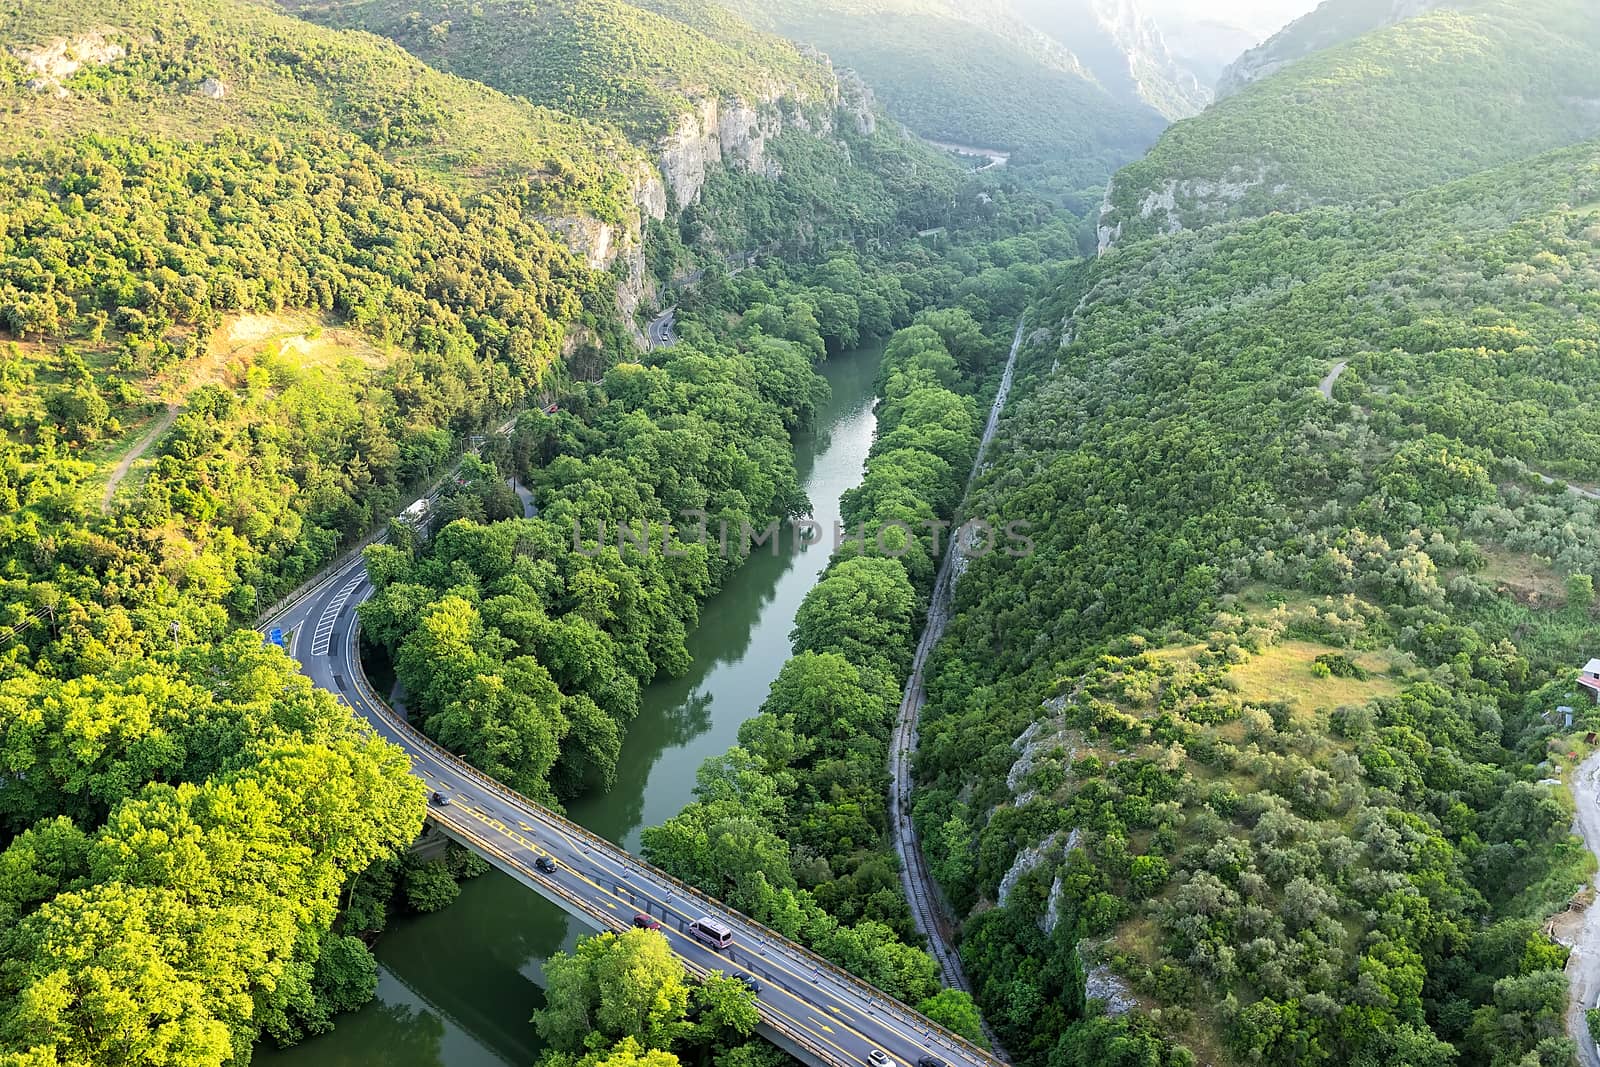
(213, 89)
(56, 61)
(1188, 203)
(1102, 984)
(731, 132)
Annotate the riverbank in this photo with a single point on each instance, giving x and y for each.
(457, 987)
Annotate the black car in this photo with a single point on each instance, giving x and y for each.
(545, 864)
(440, 799)
(929, 1061)
(750, 983)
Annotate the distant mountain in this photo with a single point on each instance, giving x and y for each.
(1436, 97)
(1332, 23)
(1205, 46)
(1122, 47)
(974, 72)
(1205, 40)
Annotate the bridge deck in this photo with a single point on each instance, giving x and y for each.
(809, 1007)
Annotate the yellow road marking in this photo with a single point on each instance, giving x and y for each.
(777, 965)
(761, 1005)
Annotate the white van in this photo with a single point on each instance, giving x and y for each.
(712, 933)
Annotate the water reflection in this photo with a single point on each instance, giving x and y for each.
(457, 988)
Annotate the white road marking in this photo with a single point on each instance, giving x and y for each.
(330, 616)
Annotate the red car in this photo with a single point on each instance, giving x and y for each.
(646, 922)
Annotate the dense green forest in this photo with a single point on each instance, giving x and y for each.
(961, 76)
(1257, 757)
(614, 61)
(1440, 96)
(1258, 727)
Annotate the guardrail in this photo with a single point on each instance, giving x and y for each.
(949, 1038)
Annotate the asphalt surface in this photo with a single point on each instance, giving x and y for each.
(817, 1012)
(660, 331)
(1333, 378)
(1583, 965)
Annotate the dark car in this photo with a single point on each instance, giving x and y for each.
(545, 864)
(646, 922)
(750, 983)
(440, 799)
(929, 1061)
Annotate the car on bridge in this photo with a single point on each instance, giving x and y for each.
(712, 933)
(545, 864)
(646, 922)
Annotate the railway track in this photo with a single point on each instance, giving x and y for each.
(928, 907)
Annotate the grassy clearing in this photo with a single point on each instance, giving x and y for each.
(1526, 579)
(1286, 672)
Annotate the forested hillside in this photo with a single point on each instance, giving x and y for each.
(979, 78)
(617, 62)
(1437, 97)
(1254, 739)
(1327, 25)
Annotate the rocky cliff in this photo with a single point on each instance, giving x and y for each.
(734, 133)
(1121, 47)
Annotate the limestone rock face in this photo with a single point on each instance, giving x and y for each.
(732, 132)
(55, 61)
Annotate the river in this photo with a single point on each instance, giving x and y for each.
(456, 988)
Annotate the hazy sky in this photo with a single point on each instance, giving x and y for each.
(1263, 17)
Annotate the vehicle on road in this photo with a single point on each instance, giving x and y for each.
(439, 798)
(545, 864)
(930, 1061)
(646, 922)
(878, 1058)
(750, 983)
(711, 932)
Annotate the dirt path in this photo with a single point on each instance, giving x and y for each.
(1333, 378)
(120, 471)
(928, 907)
(1578, 490)
(1583, 966)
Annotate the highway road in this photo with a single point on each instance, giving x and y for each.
(814, 1010)
(660, 330)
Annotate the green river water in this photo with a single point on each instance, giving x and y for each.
(456, 988)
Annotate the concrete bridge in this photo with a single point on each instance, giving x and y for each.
(810, 1008)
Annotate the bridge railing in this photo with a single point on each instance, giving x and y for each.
(609, 920)
(947, 1037)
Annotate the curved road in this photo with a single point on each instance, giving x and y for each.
(660, 330)
(1333, 378)
(927, 906)
(809, 1007)
(1583, 965)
